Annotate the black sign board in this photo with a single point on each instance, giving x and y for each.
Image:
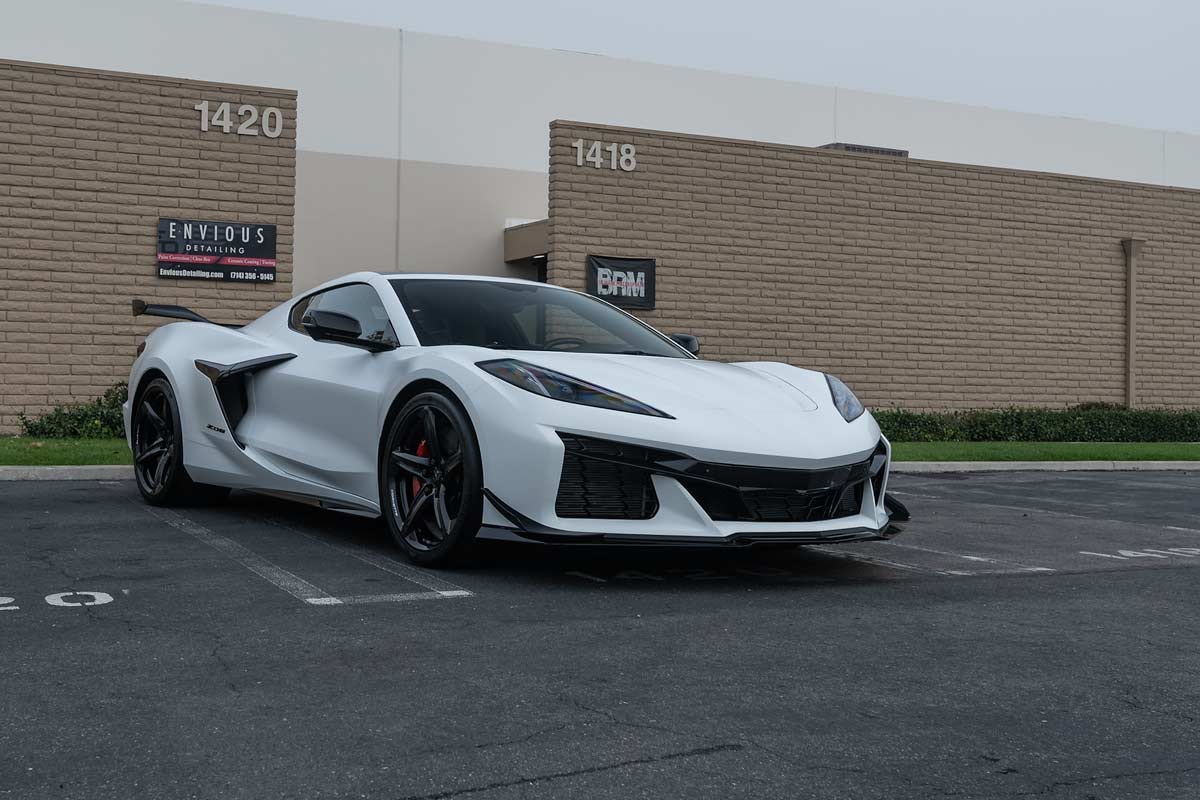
(624, 282)
(216, 251)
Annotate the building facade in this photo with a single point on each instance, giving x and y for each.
(407, 151)
(90, 162)
(925, 285)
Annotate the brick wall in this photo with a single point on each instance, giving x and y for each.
(925, 285)
(88, 163)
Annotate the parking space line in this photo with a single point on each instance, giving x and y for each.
(386, 598)
(278, 576)
(881, 562)
(979, 559)
(433, 583)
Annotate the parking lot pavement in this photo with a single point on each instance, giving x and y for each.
(1028, 635)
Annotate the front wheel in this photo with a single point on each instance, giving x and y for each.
(431, 480)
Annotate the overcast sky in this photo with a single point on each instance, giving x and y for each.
(1123, 61)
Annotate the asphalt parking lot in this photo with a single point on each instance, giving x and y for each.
(1030, 635)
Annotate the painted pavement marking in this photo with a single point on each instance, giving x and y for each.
(294, 585)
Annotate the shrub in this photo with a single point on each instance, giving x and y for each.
(1090, 422)
(96, 419)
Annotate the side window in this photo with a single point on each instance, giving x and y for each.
(357, 300)
(298, 313)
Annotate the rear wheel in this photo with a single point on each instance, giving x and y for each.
(431, 480)
(157, 439)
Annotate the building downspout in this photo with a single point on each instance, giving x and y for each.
(1132, 248)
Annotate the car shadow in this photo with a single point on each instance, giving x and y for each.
(584, 566)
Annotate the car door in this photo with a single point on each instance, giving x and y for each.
(317, 415)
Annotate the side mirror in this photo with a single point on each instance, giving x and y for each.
(687, 342)
(334, 326)
(331, 326)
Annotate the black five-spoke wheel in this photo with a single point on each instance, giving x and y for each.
(154, 439)
(431, 486)
(157, 440)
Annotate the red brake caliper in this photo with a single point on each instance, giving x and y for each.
(423, 452)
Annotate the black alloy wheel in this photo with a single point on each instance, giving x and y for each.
(157, 439)
(431, 489)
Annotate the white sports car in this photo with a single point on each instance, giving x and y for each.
(462, 406)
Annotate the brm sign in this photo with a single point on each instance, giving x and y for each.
(216, 251)
(624, 282)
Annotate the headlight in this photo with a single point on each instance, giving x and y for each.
(557, 386)
(847, 404)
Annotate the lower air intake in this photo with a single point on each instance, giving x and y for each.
(593, 487)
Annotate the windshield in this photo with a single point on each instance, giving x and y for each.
(521, 316)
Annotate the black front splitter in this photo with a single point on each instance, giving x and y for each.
(527, 529)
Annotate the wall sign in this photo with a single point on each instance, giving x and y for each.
(624, 282)
(216, 251)
(612, 155)
(250, 120)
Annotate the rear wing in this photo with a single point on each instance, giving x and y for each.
(141, 307)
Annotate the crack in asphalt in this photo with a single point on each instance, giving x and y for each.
(614, 719)
(1056, 785)
(553, 776)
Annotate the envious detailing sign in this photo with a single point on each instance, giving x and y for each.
(624, 282)
(216, 251)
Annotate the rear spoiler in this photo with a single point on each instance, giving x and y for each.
(141, 307)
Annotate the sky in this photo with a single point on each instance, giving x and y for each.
(1127, 62)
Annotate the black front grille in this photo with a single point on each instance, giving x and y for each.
(781, 505)
(612, 480)
(602, 480)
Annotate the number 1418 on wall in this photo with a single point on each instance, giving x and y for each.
(599, 155)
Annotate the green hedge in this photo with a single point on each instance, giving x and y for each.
(96, 419)
(1092, 422)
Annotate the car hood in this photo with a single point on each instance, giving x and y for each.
(674, 384)
(760, 412)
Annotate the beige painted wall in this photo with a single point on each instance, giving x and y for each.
(452, 217)
(345, 216)
(448, 218)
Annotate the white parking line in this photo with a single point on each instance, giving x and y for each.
(880, 562)
(436, 585)
(965, 557)
(386, 598)
(295, 586)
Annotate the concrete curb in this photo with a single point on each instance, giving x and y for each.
(97, 473)
(125, 473)
(1043, 466)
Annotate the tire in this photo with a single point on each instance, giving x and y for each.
(431, 487)
(157, 438)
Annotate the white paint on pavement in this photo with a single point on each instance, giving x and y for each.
(420, 577)
(881, 562)
(78, 599)
(979, 559)
(278, 576)
(387, 598)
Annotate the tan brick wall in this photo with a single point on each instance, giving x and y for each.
(88, 163)
(925, 285)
